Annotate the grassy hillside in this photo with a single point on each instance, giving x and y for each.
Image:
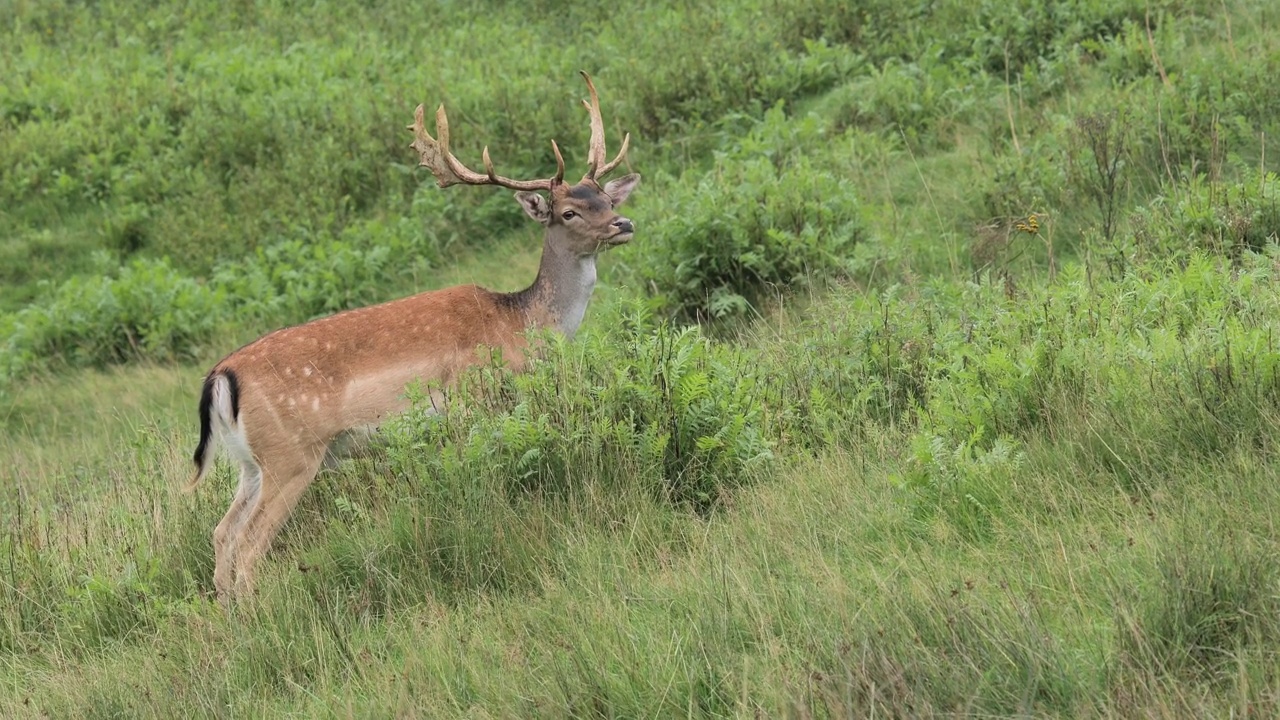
(940, 379)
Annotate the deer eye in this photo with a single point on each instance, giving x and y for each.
(568, 214)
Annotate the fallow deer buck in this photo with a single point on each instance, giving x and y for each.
(284, 404)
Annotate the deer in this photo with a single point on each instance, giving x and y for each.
(300, 398)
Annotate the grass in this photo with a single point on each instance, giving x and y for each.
(1013, 468)
(813, 594)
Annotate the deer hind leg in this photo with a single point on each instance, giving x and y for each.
(283, 481)
(227, 532)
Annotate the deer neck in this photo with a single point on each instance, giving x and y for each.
(558, 297)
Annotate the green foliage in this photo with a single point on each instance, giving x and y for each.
(667, 411)
(1025, 182)
(665, 417)
(742, 64)
(1209, 118)
(762, 222)
(827, 379)
(1038, 489)
(298, 279)
(146, 310)
(150, 310)
(229, 128)
(1011, 36)
(1225, 219)
(920, 101)
(964, 484)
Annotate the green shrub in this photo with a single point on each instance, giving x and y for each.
(1226, 219)
(668, 411)
(148, 310)
(761, 222)
(298, 279)
(963, 484)
(740, 65)
(598, 427)
(911, 98)
(827, 379)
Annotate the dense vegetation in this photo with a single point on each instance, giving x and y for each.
(941, 377)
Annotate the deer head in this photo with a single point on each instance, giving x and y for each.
(580, 219)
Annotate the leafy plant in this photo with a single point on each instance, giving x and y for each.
(963, 484)
(146, 311)
(667, 411)
(1228, 219)
(764, 221)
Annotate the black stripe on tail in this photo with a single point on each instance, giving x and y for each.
(206, 422)
(206, 410)
(233, 386)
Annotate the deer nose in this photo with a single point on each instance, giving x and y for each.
(624, 225)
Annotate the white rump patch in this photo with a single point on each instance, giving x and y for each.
(229, 430)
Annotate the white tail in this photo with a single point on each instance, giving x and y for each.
(284, 402)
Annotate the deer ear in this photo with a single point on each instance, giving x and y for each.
(535, 206)
(619, 189)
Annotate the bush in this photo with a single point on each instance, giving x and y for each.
(763, 221)
(667, 411)
(151, 311)
(964, 484)
(1225, 219)
(303, 277)
(912, 98)
(147, 310)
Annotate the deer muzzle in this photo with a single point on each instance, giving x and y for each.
(622, 231)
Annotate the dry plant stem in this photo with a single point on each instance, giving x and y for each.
(1155, 59)
(1008, 104)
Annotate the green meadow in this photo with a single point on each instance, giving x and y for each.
(941, 379)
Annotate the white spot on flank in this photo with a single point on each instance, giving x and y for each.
(328, 346)
(306, 371)
(315, 404)
(292, 402)
(288, 371)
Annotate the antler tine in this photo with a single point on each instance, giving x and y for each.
(595, 151)
(559, 178)
(626, 143)
(596, 166)
(435, 156)
(430, 152)
(488, 165)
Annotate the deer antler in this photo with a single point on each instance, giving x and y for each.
(449, 170)
(596, 152)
